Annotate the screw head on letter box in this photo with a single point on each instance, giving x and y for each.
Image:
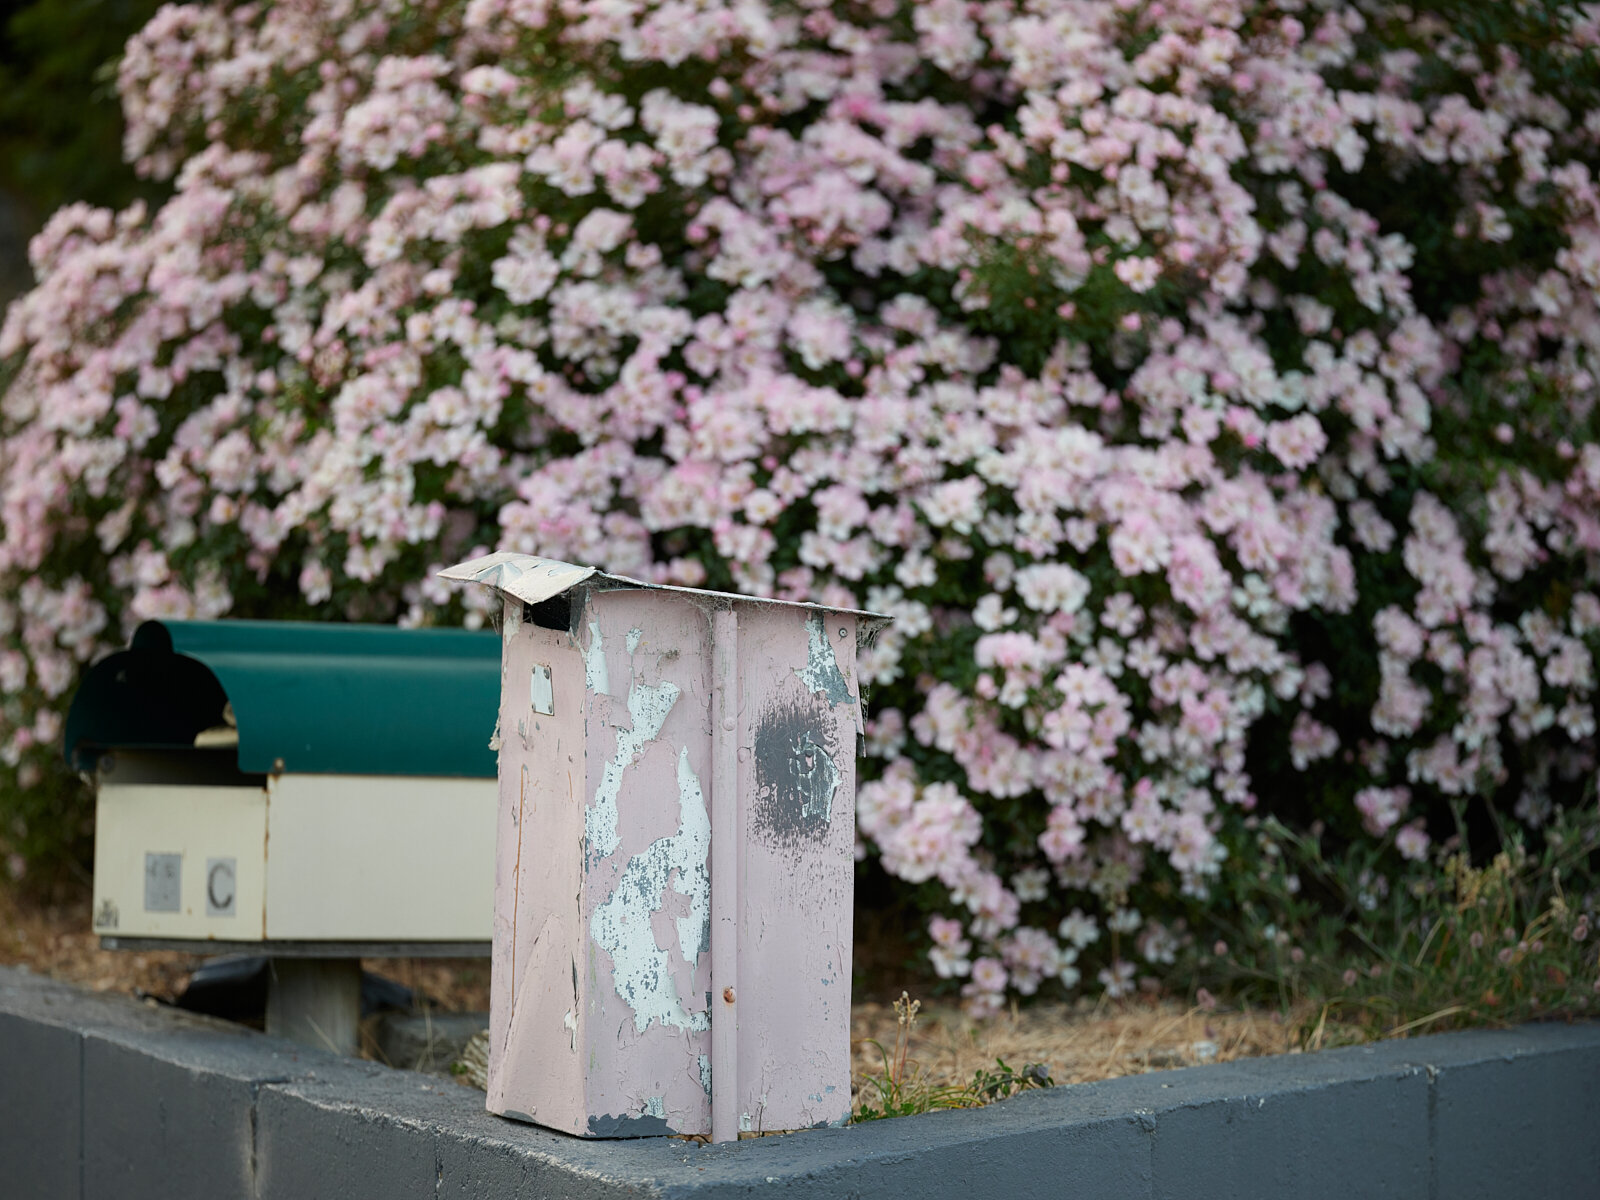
(677, 830)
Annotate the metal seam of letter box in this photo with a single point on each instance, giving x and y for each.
(725, 840)
(625, 893)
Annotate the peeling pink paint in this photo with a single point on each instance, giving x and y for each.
(797, 784)
(533, 989)
(625, 872)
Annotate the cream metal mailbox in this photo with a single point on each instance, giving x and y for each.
(315, 792)
(675, 855)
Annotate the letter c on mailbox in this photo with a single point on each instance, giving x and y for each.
(221, 887)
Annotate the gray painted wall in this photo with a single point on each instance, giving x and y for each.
(103, 1097)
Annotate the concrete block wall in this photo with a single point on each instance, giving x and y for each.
(103, 1098)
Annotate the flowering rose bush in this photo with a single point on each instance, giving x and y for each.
(1204, 386)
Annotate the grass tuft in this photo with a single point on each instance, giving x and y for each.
(901, 1089)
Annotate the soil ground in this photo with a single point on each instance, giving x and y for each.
(1080, 1041)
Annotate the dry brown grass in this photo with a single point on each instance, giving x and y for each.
(451, 984)
(1079, 1042)
(56, 940)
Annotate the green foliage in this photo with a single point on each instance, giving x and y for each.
(899, 1090)
(50, 827)
(1449, 944)
(60, 120)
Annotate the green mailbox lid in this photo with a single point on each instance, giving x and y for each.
(307, 697)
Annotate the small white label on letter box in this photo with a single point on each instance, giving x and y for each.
(163, 876)
(543, 691)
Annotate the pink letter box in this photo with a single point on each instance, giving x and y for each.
(675, 855)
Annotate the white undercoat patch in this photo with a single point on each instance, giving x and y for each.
(641, 970)
(595, 674)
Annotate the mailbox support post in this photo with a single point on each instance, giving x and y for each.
(316, 1002)
(725, 859)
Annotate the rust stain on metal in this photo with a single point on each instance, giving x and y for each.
(516, 875)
